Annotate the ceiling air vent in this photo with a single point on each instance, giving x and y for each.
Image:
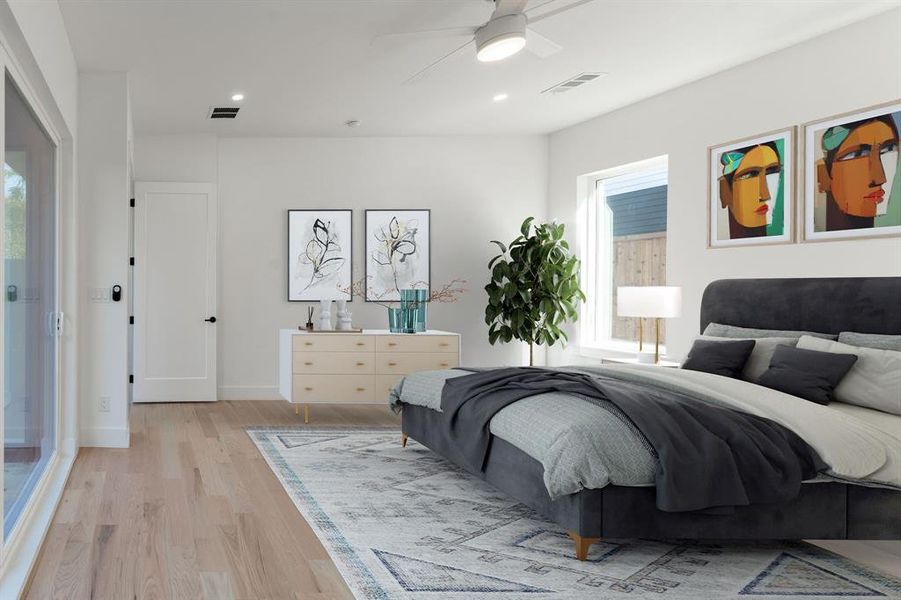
(573, 82)
(224, 112)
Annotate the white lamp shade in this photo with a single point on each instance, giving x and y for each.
(649, 301)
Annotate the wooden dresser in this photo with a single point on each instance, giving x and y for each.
(356, 368)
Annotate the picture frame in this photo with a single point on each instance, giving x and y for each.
(746, 212)
(320, 254)
(397, 252)
(846, 194)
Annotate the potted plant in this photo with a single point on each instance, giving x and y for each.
(534, 287)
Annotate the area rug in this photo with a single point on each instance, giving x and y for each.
(404, 523)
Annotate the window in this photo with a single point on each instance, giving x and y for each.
(30, 300)
(624, 229)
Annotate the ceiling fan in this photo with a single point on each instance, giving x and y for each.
(505, 33)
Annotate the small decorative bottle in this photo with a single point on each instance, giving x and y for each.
(325, 314)
(344, 320)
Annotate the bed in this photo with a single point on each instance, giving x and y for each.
(825, 508)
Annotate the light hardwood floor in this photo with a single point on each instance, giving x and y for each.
(191, 510)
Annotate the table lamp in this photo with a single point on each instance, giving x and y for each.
(649, 302)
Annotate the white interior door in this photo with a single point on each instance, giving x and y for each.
(175, 292)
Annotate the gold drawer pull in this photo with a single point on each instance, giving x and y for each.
(392, 343)
(443, 344)
(309, 389)
(308, 343)
(392, 364)
(361, 364)
(361, 343)
(361, 389)
(308, 363)
(443, 365)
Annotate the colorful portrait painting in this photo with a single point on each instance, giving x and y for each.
(852, 183)
(751, 190)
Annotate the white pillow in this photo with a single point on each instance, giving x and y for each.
(875, 379)
(759, 361)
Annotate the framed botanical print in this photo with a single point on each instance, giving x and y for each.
(750, 190)
(852, 180)
(397, 252)
(320, 254)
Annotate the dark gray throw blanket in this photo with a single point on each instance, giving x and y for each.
(709, 456)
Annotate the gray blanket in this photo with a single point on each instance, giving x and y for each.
(746, 459)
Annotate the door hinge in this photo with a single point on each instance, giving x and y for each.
(131, 202)
(131, 379)
(131, 320)
(131, 261)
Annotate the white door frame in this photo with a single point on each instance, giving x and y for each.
(202, 387)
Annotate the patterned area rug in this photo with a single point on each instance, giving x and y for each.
(404, 523)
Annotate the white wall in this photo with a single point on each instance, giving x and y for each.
(42, 25)
(104, 189)
(824, 76)
(479, 188)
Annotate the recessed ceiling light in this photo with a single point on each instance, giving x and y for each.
(237, 97)
(500, 97)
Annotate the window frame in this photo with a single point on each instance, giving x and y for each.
(24, 530)
(597, 261)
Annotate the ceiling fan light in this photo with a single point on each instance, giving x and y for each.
(501, 48)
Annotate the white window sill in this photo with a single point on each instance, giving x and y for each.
(616, 349)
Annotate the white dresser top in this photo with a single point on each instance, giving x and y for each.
(364, 332)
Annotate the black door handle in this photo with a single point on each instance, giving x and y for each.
(210, 320)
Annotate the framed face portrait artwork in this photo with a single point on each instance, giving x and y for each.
(852, 179)
(750, 195)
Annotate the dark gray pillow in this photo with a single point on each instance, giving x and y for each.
(871, 340)
(733, 331)
(720, 357)
(807, 374)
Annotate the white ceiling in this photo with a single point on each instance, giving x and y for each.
(308, 66)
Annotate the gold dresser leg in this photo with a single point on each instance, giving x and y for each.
(306, 413)
(582, 544)
(297, 409)
(403, 440)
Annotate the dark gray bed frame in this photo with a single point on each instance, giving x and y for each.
(821, 511)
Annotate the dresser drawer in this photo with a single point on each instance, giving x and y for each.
(335, 342)
(383, 386)
(417, 343)
(402, 363)
(346, 389)
(334, 363)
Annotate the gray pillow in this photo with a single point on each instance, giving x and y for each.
(871, 340)
(733, 331)
(875, 379)
(759, 360)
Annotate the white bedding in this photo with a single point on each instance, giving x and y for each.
(856, 443)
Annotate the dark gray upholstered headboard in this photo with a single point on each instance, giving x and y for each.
(827, 305)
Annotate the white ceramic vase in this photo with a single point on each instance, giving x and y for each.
(325, 315)
(344, 321)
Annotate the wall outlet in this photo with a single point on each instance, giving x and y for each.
(104, 404)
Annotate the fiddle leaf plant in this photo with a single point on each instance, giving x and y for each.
(534, 288)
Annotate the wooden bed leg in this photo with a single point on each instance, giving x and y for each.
(582, 544)
(403, 440)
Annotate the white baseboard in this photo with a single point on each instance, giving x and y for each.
(104, 437)
(249, 392)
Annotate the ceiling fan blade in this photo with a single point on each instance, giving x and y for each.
(419, 74)
(502, 8)
(539, 45)
(556, 11)
(425, 34)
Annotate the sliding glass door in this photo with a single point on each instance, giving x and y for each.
(30, 304)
